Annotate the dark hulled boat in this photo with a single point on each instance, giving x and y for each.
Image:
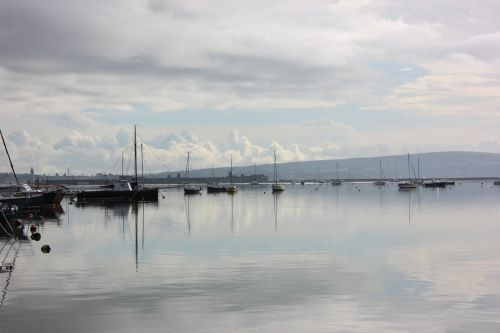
(119, 191)
(122, 189)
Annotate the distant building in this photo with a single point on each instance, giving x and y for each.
(32, 175)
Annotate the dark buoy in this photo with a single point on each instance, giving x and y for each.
(45, 248)
(163, 197)
(36, 236)
(17, 223)
(33, 228)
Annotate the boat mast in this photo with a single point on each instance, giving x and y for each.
(10, 161)
(186, 174)
(275, 171)
(135, 153)
(142, 165)
(380, 169)
(337, 165)
(418, 168)
(255, 171)
(409, 178)
(231, 173)
(122, 164)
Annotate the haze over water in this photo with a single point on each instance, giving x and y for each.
(311, 259)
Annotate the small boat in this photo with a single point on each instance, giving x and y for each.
(192, 189)
(409, 184)
(336, 182)
(276, 187)
(22, 195)
(189, 189)
(215, 187)
(434, 183)
(380, 181)
(255, 182)
(121, 189)
(231, 188)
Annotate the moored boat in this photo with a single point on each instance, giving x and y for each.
(277, 186)
(188, 188)
(231, 188)
(409, 184)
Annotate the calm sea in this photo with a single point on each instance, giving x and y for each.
(354, 258)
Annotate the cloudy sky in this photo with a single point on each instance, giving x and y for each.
(314, 79)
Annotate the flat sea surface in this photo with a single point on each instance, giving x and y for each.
(315, 258)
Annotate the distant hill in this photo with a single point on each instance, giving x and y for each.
(432, 165)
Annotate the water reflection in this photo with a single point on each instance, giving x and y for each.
(9, 250)
(350, 267)
(275, 199)
(188, 213)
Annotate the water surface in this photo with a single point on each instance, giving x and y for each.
(311, 259)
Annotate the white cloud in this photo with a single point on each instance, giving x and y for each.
(75, 62)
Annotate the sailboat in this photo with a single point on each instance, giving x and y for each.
(231, 188)
(380, 181)
(215, 187)
(189, 189)
(254, 181)
(337, 182)
(22, 195)
(277, 187)
(409, 184)
(121, 189)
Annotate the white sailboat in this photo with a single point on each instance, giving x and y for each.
(409, 184)
(232, 188)
(254, 181)
(380, 181)
(336, 182)
(189, 189)
(277, 187)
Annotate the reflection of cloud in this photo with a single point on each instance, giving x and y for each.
(451, 273)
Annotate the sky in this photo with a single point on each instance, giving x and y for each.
(310, 79)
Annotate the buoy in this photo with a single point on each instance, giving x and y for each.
(17, 223)
(163, 197)
(36, 236)
(33, 228)
(45, 248)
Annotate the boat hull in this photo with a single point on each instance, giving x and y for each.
(25, 201)
(134, 195)
(407, 186)
(216, 189)
(278, 187)
(232, 189)
(192, 190)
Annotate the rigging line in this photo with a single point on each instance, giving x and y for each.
(119, 158)
(7, 221)
(5, 244)
(152, 152)
(147, 166)
(8, 233)
(7, 281)
(413, 169)
(8, 252)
